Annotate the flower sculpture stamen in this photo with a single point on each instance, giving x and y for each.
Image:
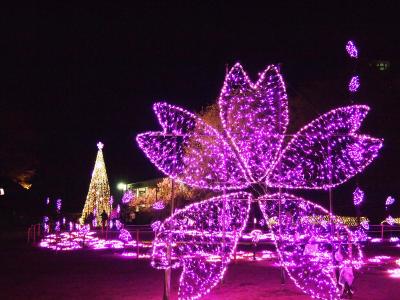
(248, 149)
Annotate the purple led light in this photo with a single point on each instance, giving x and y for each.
(255, 235)
(326, 152)
(118, 224)
(159, 205)
(358, 196)
(191, 151)
(59, 203)
(354, 84)
(155, 225)
(390, 220)
(352, 49)
(57, 227)
(128, 196)
(365, 224)
(389, 201)
(124, 235)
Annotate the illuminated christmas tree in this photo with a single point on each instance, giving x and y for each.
(98, 197)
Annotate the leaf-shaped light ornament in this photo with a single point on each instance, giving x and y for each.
(358, 196)
(306, 245)
(125, 235)
(244, 151)
(390, 220)
(326, 152)
(354, 84)
(203, 237)
(351, 49)
(389, 201)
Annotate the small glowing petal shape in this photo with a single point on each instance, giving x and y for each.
(124, 235)
(358, 196)
(390, 220)
(155, 225)
(159, 205)
(255, 235)
(365, 224)
(305, 246)
(354, 84)
(352, 49)
(58, 205)
(191, 151)
(326, 152)
(210, 228)
(255, 117)
(389, 201)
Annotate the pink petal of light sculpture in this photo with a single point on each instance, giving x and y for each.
(326, 152)
(255, 117)
(191, 151)
(203, 237)
(304, 243)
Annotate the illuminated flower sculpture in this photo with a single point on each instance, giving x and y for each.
(244, 150)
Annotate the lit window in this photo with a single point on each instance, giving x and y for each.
(382, 65)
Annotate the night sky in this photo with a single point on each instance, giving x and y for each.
(81, 73)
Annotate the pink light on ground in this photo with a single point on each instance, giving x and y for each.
(395, 273)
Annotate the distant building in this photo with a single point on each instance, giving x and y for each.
(147, 193)
(141, 188)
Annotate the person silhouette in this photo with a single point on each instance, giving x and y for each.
(104, 218)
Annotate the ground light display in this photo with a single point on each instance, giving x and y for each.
(247, 150)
